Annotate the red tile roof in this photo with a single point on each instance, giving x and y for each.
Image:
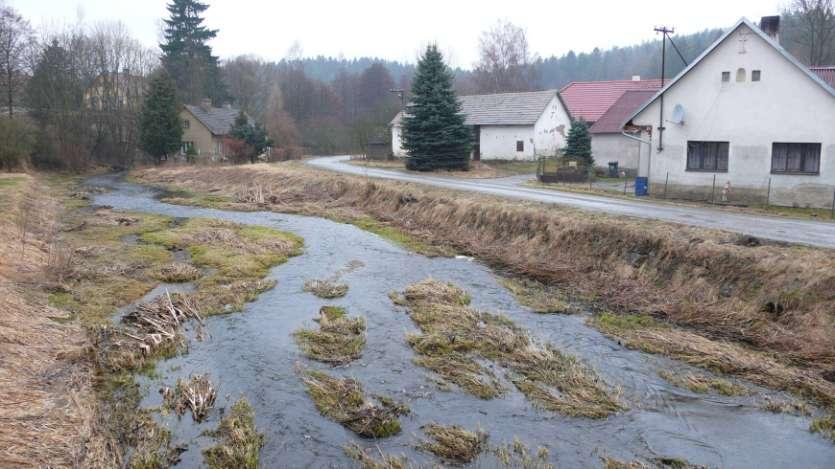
(612, 120)
(827, 74)
(588, 100)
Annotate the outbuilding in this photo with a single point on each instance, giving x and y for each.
(745, 122)
(507, 126)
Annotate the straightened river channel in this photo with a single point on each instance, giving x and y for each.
(253, 354)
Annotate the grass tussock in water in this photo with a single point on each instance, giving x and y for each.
(779, 406)
(374, 458)
(239, 442)
(657, 463)
(454, 443)
(825, 426)
(196, 394)
(773, 298)
(704, 384)
(642, 332)
(344, 401)
(177, 272)
(517, 455)
(539, 297)
(238, 256)
(455, 339)
(339, 340)
(326, 289)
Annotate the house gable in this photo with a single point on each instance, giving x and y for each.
(731, 38)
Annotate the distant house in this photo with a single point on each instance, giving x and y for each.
(204, 128)
(744, 122)
(118, 91)
(509, 126)
(604, 105)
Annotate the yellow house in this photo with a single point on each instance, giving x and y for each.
(204, 128)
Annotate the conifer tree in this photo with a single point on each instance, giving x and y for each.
(186, 55)
(160, 129)
(578, 143)
(434, 134)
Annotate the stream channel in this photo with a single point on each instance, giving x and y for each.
(253, 354)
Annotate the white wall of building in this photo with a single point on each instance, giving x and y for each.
(606, 148)
(785, 106)
(397, 142)
(551, 128)
(499, 142)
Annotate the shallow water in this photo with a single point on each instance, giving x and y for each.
(252, 354)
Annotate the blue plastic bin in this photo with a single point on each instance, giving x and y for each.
(641, 186)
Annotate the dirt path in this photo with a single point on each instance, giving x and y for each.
(820, 234)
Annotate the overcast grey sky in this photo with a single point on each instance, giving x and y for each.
(398, 29)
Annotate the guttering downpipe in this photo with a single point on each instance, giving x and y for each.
(648, 143)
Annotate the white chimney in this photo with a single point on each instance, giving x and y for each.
(636, 77)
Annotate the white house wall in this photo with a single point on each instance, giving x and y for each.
(606, 148)
(397, 142)
(785, 106)
(551, 128)
(499, 142)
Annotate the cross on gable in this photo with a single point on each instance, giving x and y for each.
(743, 38)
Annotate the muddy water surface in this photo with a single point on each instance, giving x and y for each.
(252, 354)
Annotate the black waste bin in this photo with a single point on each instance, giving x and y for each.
(613, 169)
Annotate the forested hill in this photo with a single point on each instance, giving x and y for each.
(552, 72)
(622, 62)
(327, 68)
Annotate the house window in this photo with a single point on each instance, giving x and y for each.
(755, 75)
(520, 145)
(740, 75)
(186, 123)
(726, 77)
(795, 158)
(707, 156)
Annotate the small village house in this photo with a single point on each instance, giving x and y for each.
(744, 122)
(525, 126)
(204, 129)
(507, 126)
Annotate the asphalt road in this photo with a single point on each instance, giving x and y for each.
(813, 233)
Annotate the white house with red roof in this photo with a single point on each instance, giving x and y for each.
(605, 105)
(744, 122)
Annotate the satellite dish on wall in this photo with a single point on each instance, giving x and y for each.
(678, 115)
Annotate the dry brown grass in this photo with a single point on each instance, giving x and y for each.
(454, 443)
(651, 336)
(455, 338)
(703, 384)
(326, 289)
(344, 401)
(773, 298)
(196, 394)
(47, 403)
(339, 340)
(367, 458)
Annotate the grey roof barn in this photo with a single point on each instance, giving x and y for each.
(501, 109)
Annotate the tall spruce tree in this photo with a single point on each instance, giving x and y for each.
(160, 128)
(578, 143)
(434, 134)
(186, 55)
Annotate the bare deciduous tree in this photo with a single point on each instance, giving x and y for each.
(817, 22)
(506, 63)
(16, 38)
